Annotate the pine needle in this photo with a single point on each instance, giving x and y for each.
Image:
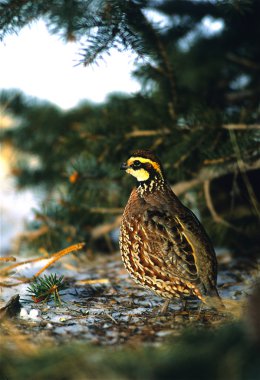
(54, 257)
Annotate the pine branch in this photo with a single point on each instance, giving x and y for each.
(242, 167)
(241, 127)
(243, 61)
(205, 176)
(166, 131)
(216, 217)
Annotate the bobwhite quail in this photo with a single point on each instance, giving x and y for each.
(164, 247)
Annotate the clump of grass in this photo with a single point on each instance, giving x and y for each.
(42, 289)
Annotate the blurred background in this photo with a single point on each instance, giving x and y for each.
(82, 84)
(48, 69)
(86, 82)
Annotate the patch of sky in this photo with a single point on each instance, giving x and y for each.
(240, 82)
(208, 27)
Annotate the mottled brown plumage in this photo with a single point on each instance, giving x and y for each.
(163, 245)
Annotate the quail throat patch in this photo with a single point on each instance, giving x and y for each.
(139, 174)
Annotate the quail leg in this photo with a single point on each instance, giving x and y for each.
(184, 304)
(164, 307)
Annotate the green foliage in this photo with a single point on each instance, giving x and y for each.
(198, 109)
(42, 289)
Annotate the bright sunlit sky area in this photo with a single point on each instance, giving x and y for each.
(44, 66)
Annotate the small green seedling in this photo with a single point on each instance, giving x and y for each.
(42, 289)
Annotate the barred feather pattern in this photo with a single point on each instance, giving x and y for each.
(163, 245)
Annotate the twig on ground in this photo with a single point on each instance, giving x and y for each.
(53, 258)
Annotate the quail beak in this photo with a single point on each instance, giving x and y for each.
(124, 166)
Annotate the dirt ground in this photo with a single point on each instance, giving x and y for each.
(103, 306)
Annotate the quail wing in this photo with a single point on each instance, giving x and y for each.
(168, 239)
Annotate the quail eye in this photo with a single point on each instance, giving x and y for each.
(136, 164)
